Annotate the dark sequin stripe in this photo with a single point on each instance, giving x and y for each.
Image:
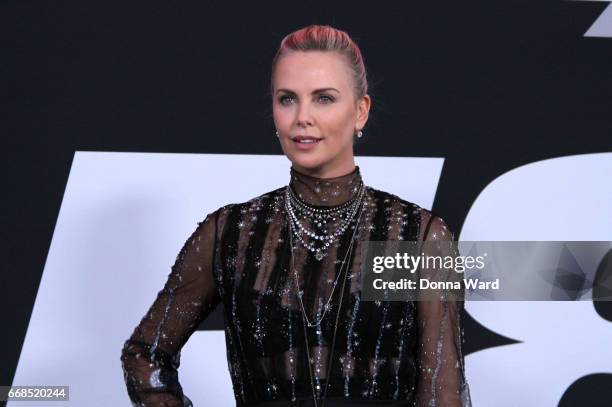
(237, 359)
(280, 269)
(404, 374)
(256, 218)
(379, 310)
(412, 214)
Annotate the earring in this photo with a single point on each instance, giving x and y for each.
(360, 134)
(277, 133)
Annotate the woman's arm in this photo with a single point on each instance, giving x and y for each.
(441, 374)
(151, 356)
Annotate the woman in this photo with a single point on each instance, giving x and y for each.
(286, 267)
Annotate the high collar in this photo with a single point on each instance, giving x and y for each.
(325, 191)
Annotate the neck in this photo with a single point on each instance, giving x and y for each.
(325, 191)
(346, 167)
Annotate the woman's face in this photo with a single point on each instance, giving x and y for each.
(314, 99)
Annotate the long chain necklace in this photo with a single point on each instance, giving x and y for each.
(305, 319)
(300, 293)
(320, 242)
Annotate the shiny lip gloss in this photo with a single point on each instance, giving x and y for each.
(306, 142)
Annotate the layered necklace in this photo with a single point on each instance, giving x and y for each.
(318, 243)
(321, 237)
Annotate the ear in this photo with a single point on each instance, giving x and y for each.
(363, 111)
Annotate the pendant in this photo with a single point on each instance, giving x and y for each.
(319, 256)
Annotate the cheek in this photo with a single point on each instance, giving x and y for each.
(282, 117)
(339, 126)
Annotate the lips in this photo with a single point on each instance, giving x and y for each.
(303, 139)
(303, 142)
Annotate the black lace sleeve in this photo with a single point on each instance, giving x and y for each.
(441, 373)
(151, 356)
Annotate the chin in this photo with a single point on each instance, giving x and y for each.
(310, 163)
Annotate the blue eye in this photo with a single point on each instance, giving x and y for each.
(325, 99)
(282, 99)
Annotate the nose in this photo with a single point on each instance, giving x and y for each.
(304, 117)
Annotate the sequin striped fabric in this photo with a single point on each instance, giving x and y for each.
(239, 257)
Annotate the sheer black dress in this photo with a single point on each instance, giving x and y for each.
(385, 352)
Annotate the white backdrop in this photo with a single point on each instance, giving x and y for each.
(561, 199)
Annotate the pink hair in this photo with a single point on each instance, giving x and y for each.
(326, 38)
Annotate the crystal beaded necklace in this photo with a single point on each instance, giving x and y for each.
(320, 239)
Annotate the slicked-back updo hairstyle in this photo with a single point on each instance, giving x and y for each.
(326, 38)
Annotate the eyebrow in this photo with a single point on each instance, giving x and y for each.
(313, 92)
